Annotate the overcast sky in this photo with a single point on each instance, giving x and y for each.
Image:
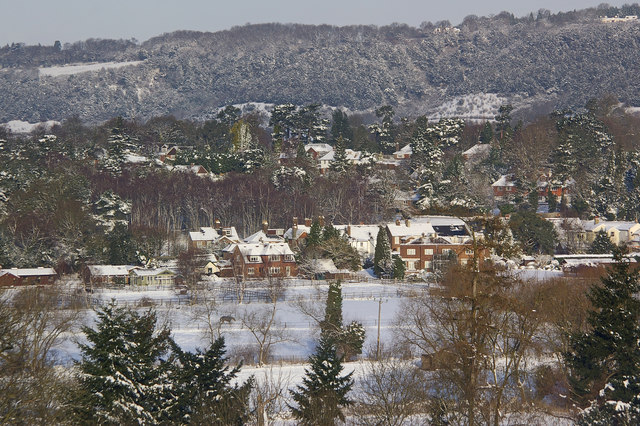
(44, 21)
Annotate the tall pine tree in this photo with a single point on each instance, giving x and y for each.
(324, 389)
(382, 262)
(604, 362)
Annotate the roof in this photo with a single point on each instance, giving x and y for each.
(323, 265)
(591, 225)
(352, 155)
(205, 234)
(110, 270)
(260, 237)
(318, 147)
(478, 149)
(360, 232)
(414, 229)
(301, 230)
(230, 233)
(505, 180)
(28, 272)
(194, 169)
(264, 249)
(404, 150)
(151, 272)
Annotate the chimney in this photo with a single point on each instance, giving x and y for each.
(596, 220)
(307, 222)
(321, 221)
(397, 222)
(294, 229)
(407, 223)
(349, 230)
(217, 224)
(295, 221)
(265, 227)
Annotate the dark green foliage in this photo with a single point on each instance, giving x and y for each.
(604, 362)
(382, 261)
(323, 393)
(339, 163)
(331, 327)
(314, 238)
(486, 136)
(123, 379)
(533, 199)
(120, 246)
(205, 393)
(398, 267)
(340, 126)
(329, 232)
(601, 244)
(536, 234)
(552, 201)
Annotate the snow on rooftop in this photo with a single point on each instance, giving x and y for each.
(478, 149)
(414, 229)
(505, 180)
(266, 249)
(29, 272)
(206, 233)
(110, 270)
(260, 237)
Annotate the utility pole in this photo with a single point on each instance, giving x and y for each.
(378, 342)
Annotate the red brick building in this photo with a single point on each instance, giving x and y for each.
(426, 253)
(260, 260)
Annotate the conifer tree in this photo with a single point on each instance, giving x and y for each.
(340, 162)
(486, 136)
(331, 327)
(552, 201)
(123, 380)
(398, 267)
(601, 244)
(324, 389)
(315, 235)
(604, 362)
(204, 387)
(382, 256)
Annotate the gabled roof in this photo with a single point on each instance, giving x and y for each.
(318, 147)
(478, 149)
(609, 224)
(28, 272)
(360, 232)
(414, 229)
(110, 270)
(404, 150)
(264, 249)
(260, 237)
(152, 272)
(230, 233)
(302, 229)
(206, 233)
(505, 180)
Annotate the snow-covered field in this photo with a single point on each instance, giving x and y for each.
(361, 301)
(80, 68)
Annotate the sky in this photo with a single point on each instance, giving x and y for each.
(44, 22)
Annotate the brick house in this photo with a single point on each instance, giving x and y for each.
(427, 253)
(260, 260)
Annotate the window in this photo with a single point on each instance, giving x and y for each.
(396, 240)
(468, 251)
(274, 270)
(274, 258)
(288, 269)
(251, 271)
(227, 232)
(463, 261)
(428, 251)
(254, 258)
(427, 264)
(411, 251)
(446, 251)
(411, 265)
(288, 258)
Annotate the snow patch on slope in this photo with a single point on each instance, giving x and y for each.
(80, 68)
(17, 126)
(479, 106)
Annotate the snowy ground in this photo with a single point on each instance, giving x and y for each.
(80, 68)
(361, 301)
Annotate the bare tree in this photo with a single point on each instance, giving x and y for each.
(475, 333)
(32, 323)
(263, 325)
(390, 392)
(269, 395)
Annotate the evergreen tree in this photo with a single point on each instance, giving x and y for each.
(398, 267)
(340, 162)
(604, 362)
(329, 232)
(536, 234)
(340, 126)
(382, 256)
(601, 244)
(552, 201)
(120, 245)
(204, 388)
(486, 136)
(331, 327)
(353, 336)
(314, 238)
(122, 377)
(324, 389)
